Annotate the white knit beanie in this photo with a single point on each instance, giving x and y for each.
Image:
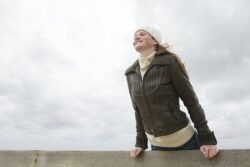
(153, 31)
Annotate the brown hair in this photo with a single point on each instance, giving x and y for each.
(164, 47)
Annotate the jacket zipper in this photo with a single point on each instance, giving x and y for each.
(143, 91)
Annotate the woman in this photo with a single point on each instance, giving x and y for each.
(156, 81)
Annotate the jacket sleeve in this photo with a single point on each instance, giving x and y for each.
(141, 138)
(185, 91)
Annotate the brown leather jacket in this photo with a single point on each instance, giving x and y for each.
(156, 100)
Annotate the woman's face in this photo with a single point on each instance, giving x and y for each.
(143, 40)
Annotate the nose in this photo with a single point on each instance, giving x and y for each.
(137, 38)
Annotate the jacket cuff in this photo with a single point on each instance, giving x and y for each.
(141, 142)
(207, 139)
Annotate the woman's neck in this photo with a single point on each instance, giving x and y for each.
(146, 52)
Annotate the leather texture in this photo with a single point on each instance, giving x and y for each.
(155, 100)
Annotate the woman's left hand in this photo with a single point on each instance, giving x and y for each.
(209, 151)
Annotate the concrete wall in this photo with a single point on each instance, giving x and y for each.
(230, 158)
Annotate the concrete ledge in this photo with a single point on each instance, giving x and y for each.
(232, 158)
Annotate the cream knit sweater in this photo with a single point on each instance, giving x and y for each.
(175, 139)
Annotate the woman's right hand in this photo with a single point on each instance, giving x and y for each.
(135, 152)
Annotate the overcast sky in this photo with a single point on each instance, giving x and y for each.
(62, 64)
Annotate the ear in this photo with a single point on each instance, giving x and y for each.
(155, 42)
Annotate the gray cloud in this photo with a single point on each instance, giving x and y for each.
(62, 69)
(212, 39)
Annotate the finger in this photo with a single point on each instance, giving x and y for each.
(133, 153)
(136, 152)
(208, 153)
(211, 153)
(204, 151)
(139, 151)
(216, 151)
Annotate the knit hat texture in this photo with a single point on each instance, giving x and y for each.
(153, 31)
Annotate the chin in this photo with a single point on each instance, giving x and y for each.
(139, 48)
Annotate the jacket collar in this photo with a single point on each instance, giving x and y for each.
(159, 59)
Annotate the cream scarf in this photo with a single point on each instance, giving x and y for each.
(145, 62)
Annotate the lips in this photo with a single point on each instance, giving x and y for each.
(138, 42)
